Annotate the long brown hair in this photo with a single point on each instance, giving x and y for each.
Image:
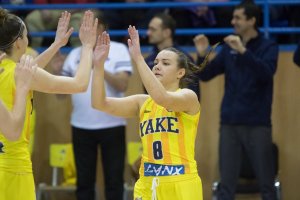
(11, 28)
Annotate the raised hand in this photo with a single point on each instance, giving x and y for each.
(63, 32)
(24, 72)
(235, 43)
(201, 43)
(101, 50)
(134, 42)
(88, 29)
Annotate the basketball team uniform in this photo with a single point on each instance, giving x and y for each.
(168, 169)
(16, 178)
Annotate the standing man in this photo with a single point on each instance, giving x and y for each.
(92, 129)
(161, 30)
(249, 62)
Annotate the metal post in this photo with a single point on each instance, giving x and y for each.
(54, 176)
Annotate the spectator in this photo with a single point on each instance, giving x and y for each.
(196, 16)
(193, 17)
(91, 128)
(161, 30)
(46, 20)
(249, 62)
(120, 19)
(297, 55)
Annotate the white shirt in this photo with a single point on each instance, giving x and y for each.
(83, 115)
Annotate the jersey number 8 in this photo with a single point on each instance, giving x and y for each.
(157, 150)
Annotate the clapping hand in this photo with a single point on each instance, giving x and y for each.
(201, 43)
(235, 43)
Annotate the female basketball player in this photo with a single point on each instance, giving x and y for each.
(15, 165)
(12, 121)
(168, 118)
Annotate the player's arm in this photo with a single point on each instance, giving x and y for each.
(124, 107)
(12, 121)
(184, 100)
(61, 39)
(46, 82)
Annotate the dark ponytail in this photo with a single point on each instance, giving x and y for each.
(11, 28)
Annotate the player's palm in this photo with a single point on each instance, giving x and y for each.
(63, 32)
(134, 42)
(102, 49)
(88, 29)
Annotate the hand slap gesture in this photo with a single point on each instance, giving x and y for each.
(88, 29)
(102, 49)
(62, 33)
(134, 42)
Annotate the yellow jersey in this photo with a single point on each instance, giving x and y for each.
(14, 155)
(168, 140)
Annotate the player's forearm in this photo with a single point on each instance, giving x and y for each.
(153, 86)
(44, 58)
(83, 73)
(98, 88)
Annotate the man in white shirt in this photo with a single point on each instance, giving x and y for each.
(92, 128)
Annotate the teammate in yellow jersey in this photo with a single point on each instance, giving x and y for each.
(12, 121)
(168, 120)
(15, 165)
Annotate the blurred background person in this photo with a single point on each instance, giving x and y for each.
(249, 62)
(92, 129)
